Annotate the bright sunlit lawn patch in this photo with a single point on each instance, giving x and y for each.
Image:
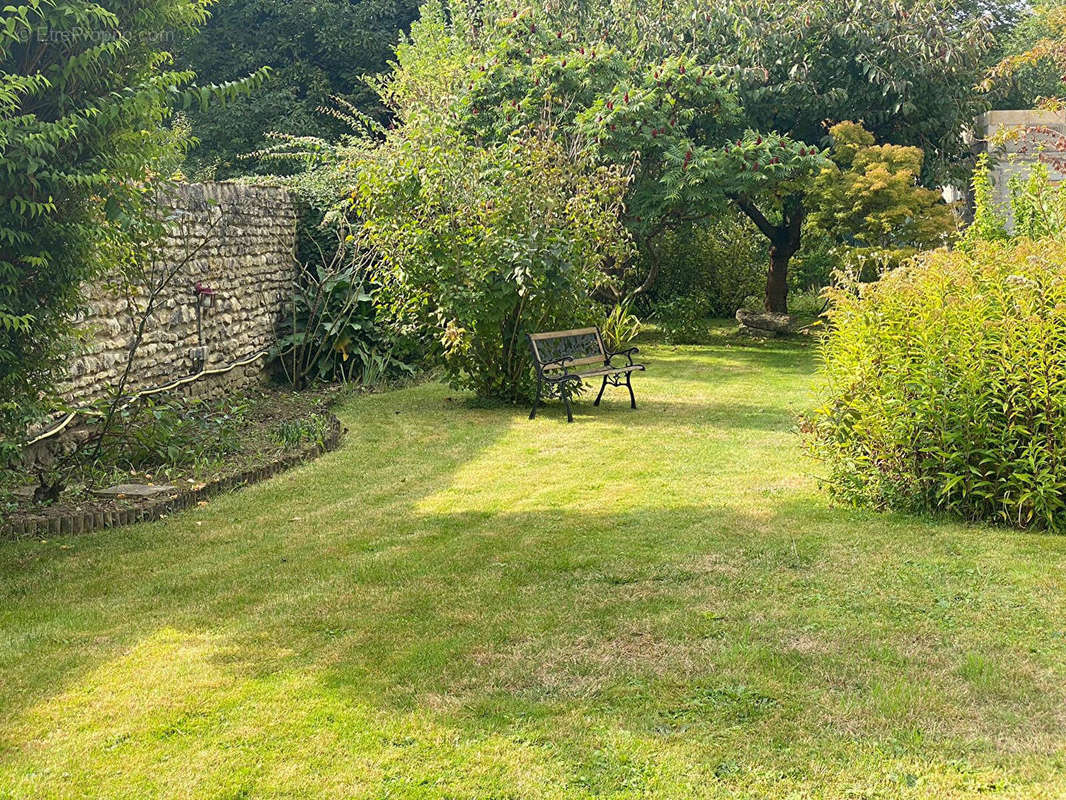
(463, 603)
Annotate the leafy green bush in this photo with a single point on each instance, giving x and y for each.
(721, 261)
(946, 386)
(487, 244)
(869, 196)
(683, 319)
(989, 223)
(869, 212)
(1038, 207)
(1035, 207)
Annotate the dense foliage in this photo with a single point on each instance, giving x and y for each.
(1035, 207)
(720, 262)
(721, 105)
(664, 111)
(476, 243)
(84, 94)
(316, 51)
(946, 386)
(487, 244)
(869, 203)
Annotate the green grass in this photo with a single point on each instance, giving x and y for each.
(463, 603)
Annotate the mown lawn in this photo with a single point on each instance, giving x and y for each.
(462, 603)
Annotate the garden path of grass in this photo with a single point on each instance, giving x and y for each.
(463, 603)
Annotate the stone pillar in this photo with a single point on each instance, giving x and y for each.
(1015, 140)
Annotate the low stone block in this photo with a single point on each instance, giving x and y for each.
(766, 321)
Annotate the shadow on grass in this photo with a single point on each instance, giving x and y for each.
(656, 414)
(746, 623)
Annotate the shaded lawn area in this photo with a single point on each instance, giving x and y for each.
(463, 603)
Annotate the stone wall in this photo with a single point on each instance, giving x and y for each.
(234, 240)
(1016, 154)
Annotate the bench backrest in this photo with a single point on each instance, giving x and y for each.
(584, 345)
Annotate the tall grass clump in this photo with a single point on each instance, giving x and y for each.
(945, 386)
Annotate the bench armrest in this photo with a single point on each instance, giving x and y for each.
(555, 362)
(628, 353)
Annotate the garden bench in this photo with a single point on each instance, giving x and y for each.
(564, 359)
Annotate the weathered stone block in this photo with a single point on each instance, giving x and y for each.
(766, 321)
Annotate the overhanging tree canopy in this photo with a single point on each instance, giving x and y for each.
(776, 75)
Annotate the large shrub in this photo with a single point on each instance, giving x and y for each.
(487, 244)
(683, 319)
(869, 195)
(946, 386)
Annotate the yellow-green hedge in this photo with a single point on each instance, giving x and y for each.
(946, 386)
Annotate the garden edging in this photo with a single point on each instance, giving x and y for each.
(84, 521)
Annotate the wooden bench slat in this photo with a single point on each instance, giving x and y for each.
(560, 334)
(577, 362)
(595, 373)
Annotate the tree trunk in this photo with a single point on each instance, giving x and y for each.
(777, 280)
(649, 249)
(784, 242)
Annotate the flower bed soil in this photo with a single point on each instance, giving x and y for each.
(82, 512)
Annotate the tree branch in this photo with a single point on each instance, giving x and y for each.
(744, 203)
(795, 213)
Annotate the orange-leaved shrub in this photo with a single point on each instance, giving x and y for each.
(945, 386)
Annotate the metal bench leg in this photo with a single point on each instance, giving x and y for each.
(632, 399)
(602, 387)
(536, 401)
(566, 399)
